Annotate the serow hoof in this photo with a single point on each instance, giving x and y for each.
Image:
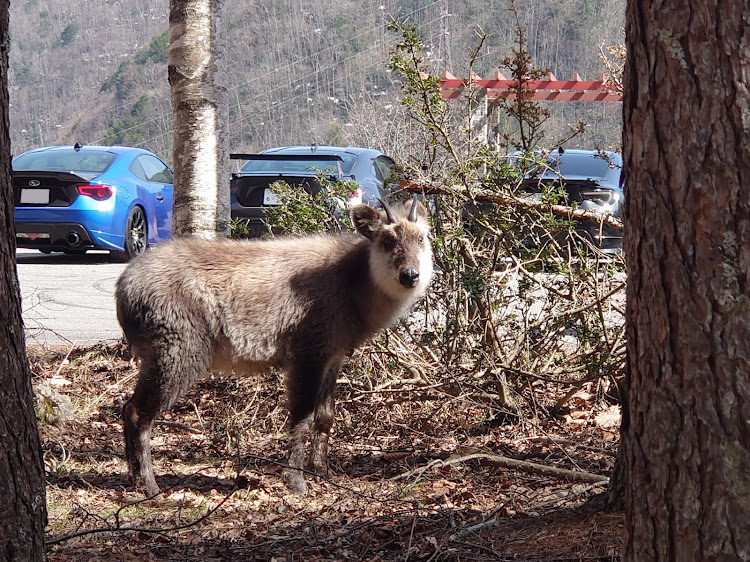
(295, 481)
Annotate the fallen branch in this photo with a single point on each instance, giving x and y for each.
(521, 202)
(513, 464)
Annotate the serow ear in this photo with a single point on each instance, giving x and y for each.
(366, 220)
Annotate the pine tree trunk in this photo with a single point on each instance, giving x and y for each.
(23, 511)
(201, 153)
(687, 243)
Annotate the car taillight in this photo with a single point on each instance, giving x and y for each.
(355, 197)
(98, 192)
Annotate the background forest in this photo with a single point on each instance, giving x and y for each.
(94, 71)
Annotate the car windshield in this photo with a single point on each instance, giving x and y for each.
(287, 166)
(86, 161)
(306, 165)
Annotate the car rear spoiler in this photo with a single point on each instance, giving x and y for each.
(287, 157)
(24, 176)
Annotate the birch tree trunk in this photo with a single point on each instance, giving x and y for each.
(687, 243)
(23, 511)
(198, 82)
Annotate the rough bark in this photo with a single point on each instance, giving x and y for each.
(22, 486)
(687, 243)
(198, 83)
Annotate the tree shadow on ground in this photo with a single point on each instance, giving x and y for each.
(407, 531)
(219, 458)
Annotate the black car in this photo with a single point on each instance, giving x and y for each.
(250, 190)
(591, 179)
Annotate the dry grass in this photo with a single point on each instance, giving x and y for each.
(221, 451)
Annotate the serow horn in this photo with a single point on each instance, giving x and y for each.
(413, 211)
(388, 211)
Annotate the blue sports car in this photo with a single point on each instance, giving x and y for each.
(77, 198)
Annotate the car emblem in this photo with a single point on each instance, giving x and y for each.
(34, 183)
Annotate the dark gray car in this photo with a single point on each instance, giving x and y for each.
(591, 179)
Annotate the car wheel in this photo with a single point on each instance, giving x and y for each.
(135, 236)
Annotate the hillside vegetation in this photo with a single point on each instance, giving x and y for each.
(94, 71)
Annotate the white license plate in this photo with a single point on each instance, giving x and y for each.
(269, 197)
(35, 196)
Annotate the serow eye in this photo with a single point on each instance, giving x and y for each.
(388, 244)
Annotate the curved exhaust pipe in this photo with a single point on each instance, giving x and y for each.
(73, 239)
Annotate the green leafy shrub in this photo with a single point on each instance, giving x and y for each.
(302, 212)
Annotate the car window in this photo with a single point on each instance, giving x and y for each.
(592, 166)
(137, 170)
(383, 166)
(348, 162)
(260, 166)
(376, 172)
(299, 166)
(156, 171)
(88, 161)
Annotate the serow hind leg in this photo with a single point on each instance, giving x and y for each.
(138, 416)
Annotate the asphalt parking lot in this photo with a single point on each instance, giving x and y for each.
(68, 300)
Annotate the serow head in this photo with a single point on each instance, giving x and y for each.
(400, 256)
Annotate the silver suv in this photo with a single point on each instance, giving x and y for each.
(373, 171)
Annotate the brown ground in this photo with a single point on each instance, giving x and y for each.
(416, 473)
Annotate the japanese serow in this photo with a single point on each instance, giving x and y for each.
(299, 304)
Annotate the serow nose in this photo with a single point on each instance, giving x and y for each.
(409, 277)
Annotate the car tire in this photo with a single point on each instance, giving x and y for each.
(135, 236)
